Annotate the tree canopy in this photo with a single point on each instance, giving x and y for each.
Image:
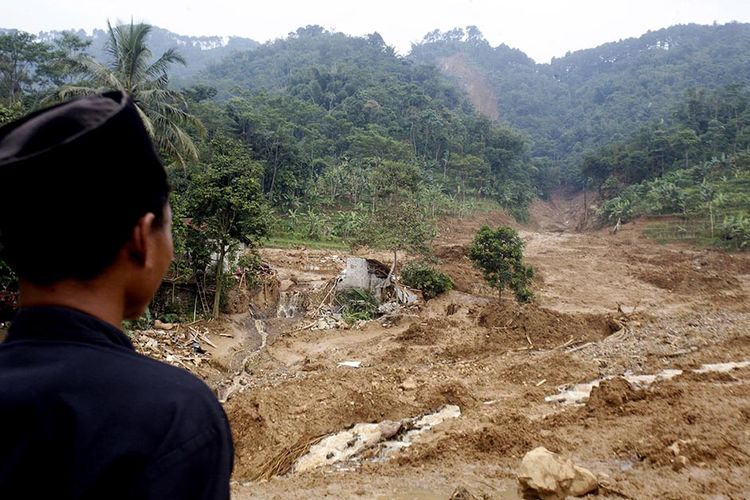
(132, 69)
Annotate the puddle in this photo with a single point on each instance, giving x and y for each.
(380, 441)
(579, 393)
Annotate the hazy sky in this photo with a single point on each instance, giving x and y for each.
(541, 28)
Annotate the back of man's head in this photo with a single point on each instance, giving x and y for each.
(74, 180)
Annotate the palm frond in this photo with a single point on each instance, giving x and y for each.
(159, 68)
(178, 143)
(70, 91)
(147, 122)
(111, 45)
(101, 75)
(163, 111)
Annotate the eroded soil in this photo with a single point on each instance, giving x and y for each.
(607, 304)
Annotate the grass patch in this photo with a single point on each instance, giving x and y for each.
(291, 242)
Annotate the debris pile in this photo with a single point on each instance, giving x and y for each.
(364, 290)
(371, 441)
(175, 344)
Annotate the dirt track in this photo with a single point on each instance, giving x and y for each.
(606, 305)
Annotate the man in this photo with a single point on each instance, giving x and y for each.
(86, 225)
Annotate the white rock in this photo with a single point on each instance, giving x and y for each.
(351, 364)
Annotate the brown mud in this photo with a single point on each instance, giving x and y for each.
(607, 305)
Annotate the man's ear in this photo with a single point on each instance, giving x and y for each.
(139, 244)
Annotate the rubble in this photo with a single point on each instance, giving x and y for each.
(377, 441)
(461, 493)
(368, 278)
(579, 393)
(176, 345)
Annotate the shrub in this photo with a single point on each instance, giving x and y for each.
(356, 305)
(498, 253)
(735, 232)
(426, 278)
(250, 266)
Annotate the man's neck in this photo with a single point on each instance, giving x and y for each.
(92, 298)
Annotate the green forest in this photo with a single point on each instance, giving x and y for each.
(322, 138)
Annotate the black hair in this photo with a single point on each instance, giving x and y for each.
(74, 181)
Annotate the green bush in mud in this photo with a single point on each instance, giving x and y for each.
(424, 277)
(356, 305)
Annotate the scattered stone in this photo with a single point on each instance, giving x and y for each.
(389, 308)
(409, 384)
(326, 322)
(173, 344)
(680, 461)
(549, 476)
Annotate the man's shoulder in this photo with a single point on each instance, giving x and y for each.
(118, 376)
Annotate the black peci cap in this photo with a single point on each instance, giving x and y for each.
(74, 180)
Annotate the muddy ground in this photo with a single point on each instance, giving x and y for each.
(607, 305)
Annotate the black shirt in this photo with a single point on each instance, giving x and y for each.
(83, 416)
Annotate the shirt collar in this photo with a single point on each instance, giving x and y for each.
(62, 323)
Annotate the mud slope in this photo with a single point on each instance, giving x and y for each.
(607, 306)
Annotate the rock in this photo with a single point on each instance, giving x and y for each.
(389, 428)
(286, 285)
(409, 384)
(549, 476)
(350, 364)
(389, 308)
(584, 483)
(163, 326)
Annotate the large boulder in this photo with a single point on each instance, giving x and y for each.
(549, 476)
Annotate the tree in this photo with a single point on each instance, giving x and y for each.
(226, 203)
(498, 253)
(64, 64)
(21, 56)
(397, 227)
(132, 69)
(396, 220)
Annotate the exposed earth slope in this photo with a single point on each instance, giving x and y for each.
(607, 306)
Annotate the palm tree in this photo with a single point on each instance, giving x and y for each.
(130, 70)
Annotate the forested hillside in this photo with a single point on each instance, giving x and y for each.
(580, 102)
(318, 137)
(695, 163)
(326, 111)
(341, 128)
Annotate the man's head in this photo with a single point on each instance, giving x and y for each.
(82, 195)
